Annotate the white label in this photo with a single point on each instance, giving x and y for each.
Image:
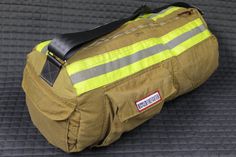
(148, 101)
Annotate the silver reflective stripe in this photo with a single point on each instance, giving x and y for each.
(119, 63)
(111, 66)
(175, 42)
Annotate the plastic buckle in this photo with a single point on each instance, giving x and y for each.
(51, 69)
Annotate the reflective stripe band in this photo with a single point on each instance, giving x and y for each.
(164, 13)
(104, 74)
(159, 15)
(42, 47)
(110, 77)
(191, 42)
(111, 66)
(90, 62)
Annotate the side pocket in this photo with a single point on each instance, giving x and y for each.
(150, 88)
(54, 115)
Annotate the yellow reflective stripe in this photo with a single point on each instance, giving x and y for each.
(110, 77)
(191, 42)
(118, 74)
(128, 50)
(110, 56)
(168, 12)
(119, 63)
(181, 30)
(145, 16)
(41, 45)
(165, 13)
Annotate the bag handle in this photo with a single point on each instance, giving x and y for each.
(63, 45)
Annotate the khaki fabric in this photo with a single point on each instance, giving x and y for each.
(98, 117)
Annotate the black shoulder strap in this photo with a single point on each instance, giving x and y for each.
(63, 46)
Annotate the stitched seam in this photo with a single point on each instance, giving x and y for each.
(71, 125)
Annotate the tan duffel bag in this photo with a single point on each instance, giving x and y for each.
(85, 89)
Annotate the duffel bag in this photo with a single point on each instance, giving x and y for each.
(85, 89)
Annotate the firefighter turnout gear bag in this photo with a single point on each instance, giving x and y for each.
(85, 89)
